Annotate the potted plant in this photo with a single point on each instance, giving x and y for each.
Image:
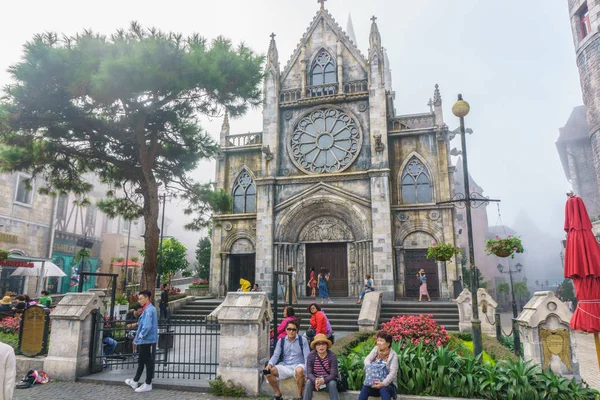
(4, 255)
(198, 287)
(121, 305)
(442, 252)
(504, 247)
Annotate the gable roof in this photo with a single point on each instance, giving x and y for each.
(576, 127)
(339, 32)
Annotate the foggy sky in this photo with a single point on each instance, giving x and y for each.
(513, 61)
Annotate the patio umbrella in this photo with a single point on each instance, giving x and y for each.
(50, 269)
(582, 265)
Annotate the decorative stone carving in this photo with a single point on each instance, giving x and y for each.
(227, 226)
(267, 152)
(402, 217)
(364, 164)
(378, 143)
(284, 172)
(325, 229)
(242, 246)
(253, 225)
(434, 215)
(487, 308)
(546, 334)
(326, 140)
(288, 115)
(362, 106)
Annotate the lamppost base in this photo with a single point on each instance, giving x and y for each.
(476, 333)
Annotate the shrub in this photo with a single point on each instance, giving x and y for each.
(11, 324)
(416, 329)
(199, 283)
(344, 345)
(177, 297)
(219, 387)
(174, 291)
(11, 339)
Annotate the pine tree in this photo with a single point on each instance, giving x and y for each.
(124, 107)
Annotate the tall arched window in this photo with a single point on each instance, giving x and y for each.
(244, 194)
(416, 183)
(323, 70)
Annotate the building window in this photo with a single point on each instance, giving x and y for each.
(244, 194)
(323, 70)
(416, 183)
(584, 22)
(126, 225)
(62, 206)
(24, 194)
(90, 217)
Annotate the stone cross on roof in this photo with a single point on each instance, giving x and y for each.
(373, 18)
(322, 3)
(272, 35)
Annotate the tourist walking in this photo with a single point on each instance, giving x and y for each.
(322, 280)
(321, 369)
(423, 285)
(312, 282)
(381, 368)
(146, 337)
(294, 298)
(8, 371)
(164, 302)
(368, 288)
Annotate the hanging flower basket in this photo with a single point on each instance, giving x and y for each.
(4, 255)
(442, 252)
(504, 247)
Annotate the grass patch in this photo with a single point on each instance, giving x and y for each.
(11, 339)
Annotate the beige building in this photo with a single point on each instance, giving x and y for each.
(25, 220)
(336, 179)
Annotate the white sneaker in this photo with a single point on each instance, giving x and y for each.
(131, 383)
(330, 302)
(144, 388)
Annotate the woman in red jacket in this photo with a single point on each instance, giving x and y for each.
(318, 321)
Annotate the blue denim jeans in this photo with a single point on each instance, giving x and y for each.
(309, 387)
(367, 391)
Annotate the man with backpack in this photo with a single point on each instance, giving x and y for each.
(288, 360)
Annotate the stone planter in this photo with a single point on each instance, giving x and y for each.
(200, 292)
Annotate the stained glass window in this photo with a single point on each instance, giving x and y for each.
(416, 183)
(323, 70)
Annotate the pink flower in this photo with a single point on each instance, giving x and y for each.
(508, 236)
(515, 249)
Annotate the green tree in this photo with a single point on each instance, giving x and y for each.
(503, 288)
(203, 258)
(520, 289)
(568, 292)
(173, 258)
(125, 107)
(466, 273)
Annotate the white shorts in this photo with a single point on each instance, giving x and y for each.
(288, 371)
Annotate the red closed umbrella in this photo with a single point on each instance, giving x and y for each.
(582, 265)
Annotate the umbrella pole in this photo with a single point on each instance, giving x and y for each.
(597, 339)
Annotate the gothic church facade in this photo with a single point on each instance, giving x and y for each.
(335, 179)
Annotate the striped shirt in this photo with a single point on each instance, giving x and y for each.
(319, 370)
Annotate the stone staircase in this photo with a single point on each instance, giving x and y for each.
(343, 313)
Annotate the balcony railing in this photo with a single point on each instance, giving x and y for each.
(330, 89)
(356, 86)
(245, 139)
(286, 96)
(414, 121)
(322, 90)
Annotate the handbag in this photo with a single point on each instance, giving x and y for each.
(375, 372)
(310, 332)
(341, 381)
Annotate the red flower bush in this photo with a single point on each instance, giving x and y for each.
(416, 329)
(174, 291)
(11, 324)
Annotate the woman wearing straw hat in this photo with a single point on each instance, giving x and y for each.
(5, 304)
(321, 369)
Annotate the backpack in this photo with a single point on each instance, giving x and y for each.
(329, 329)
(280, 344)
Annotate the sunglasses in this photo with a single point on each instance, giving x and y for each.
(291, 329)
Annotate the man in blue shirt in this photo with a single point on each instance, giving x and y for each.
(288, 360)
(145, 339)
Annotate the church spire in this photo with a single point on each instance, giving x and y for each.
(273, 55)
(225, 126)
(374, 37)
(437, 98)
(350, 30)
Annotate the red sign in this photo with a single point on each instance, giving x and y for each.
(14, 263)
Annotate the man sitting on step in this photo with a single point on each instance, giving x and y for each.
(288, 360)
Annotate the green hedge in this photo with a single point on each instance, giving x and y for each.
(491, 346)
(345, 344)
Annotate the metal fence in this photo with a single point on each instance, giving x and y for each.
(186, 349)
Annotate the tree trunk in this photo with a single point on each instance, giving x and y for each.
(151, 207)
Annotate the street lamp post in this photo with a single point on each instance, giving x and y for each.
(542, 284)
(516, 338)
(461, 109)
(162, 231)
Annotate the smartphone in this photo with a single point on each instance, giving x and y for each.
(266, 372)
(323, 386)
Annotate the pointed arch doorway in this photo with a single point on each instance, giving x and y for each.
(333, 257)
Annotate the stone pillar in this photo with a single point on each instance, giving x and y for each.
(546, 336)
(244, 340)
(487, 308)
(368, 319)
(465, 312)
(264, 233)
(69, 351)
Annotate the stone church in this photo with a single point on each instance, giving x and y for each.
(336, 179)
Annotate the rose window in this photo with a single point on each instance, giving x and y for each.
(327, 140)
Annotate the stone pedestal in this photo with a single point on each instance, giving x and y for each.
(69, 351)
(244, 340)
(546, 336)
(487, 308)
(368, 318)
(465, 312)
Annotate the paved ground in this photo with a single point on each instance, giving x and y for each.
(79, 391)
